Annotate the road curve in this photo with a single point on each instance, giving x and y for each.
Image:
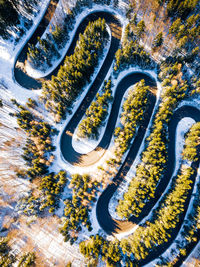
(19, 66)
(180, 113)
(22, 78)
(83, 160)
(109, 224)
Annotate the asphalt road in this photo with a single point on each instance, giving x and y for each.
(19, 74)
(105, 220)
(22, 78)
(83, 160)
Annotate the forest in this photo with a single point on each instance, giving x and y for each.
(62, 90)
(171, 226)
(154, 157)
(133, 110)
(10, 13)
(164, 220)
(77, 207)
(96, 114)
(7, 259)
(38, 144)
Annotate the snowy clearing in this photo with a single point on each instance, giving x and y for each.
(183, 126)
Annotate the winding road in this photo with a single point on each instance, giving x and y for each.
(94, 156)
(109, 224)
(22, 78)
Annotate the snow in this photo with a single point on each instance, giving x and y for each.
(83, 145)
(93, 218)
(94, 223)
(60, 162)
(173, 247)
(7, 47)
(194, 102)
(35, 73)
(195, 253)
(124, 185)
(182, 128)
(8, 56)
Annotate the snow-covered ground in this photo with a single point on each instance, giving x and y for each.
(183, 126)
(83, 145)
(8, 55)
(194, 102)
(9, 47)
(172, 251)
(60, 162)
(124, 186)
(36, 73)
(194, 255)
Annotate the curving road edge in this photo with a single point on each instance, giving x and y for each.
(109, 224)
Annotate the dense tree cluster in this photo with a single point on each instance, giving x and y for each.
(187, 34)
(167, 215)
(29, 205)
(77, 207)
(59, 95)
(26, 260)
(153, 161)
(132, 115)
(8, 16)
(96, 114)
(189, 235)
(60, 92)
(10, 13)
(196, 86)
(191, 149)
(97, 246)
(41, 56)
(38, 158)
(158, 231)
(181, 8)
(38, 143)
(131, 54)
(51, 186)
(164, 221)
(158, 40)
(135, 29)
(6, 259)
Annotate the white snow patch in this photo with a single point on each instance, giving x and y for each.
(35, 73)
(172, 251)
(182, 128)
(8, 56)
(60, 162)
(83, 145)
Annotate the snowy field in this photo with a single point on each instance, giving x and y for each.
(8, 54)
